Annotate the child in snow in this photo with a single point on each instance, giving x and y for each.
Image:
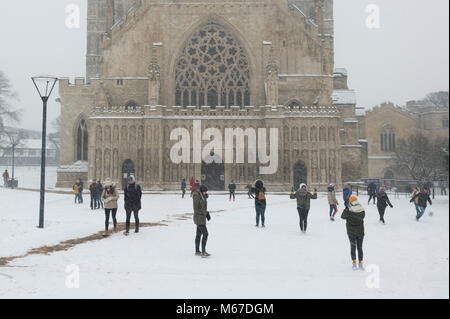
(332, 201)
(354, 215)
(201, 214)
(382, 202)
(422, 198)
(303, 205)
(259, 192)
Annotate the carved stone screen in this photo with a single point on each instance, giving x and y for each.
(212, 69)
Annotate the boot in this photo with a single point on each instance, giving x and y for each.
(354, 265)
(205, 254)
(361, 266)
(197, 253)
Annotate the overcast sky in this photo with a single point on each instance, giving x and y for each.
(404, 59)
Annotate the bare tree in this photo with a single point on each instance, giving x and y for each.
(421, 157)
(7, 112)
(437, 99)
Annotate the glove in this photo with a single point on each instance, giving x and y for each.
(392, 206)
(208, 216)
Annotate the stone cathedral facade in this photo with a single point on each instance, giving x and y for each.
(157, 66)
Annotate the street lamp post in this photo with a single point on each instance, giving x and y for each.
(44, 86)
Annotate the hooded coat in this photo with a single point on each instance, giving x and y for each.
(354, 214)
(259, 188)
(200, 208)
(110, 196)
(133, 196)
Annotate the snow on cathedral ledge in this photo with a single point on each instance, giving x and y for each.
(79, 166)
(344, 97)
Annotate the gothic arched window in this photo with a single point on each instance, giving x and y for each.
(387, 138)
(212, 69)
(294, 105)
(131, 105)
(82, 141)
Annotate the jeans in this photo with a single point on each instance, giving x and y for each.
(420, 211)
(444, 191)
(260, 211)
(333, 210)
(303, 214)
(78, 199)
(356, 242)
(136, 220)
(202, 234)
(98, 201)
(107, 213)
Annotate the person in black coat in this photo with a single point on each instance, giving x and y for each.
(232, 190)
(93, 190)
(372, 191)
(259, 192)
(354, 214)
(423, 197)
(133, 195)
(383, 202)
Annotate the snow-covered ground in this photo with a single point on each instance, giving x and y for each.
(247, 262)
(30, 176)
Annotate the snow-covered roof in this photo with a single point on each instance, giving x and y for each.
(344, 97)
(360, 111)
(341, 71)
(35, 144)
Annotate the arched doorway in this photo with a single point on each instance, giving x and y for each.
(389, 179)
(213, 173)
(300, 174)
(128, 169)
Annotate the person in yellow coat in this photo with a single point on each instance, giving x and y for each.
(76, 190)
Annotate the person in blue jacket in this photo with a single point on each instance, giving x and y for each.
(347, 193)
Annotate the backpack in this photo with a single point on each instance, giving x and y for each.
(261, 195)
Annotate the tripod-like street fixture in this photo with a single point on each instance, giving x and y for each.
(44, 86)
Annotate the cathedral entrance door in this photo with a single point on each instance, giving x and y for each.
(128, 169)
(213, 173)
(300, 174)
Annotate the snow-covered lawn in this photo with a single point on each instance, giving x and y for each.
(30, 176)
(246, 262)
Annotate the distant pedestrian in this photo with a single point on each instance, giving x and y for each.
(133, 195)
(346, 194)
(372, 192)
(354, 214)
(303, 198)
(80, 196)
(201, 215)
(443, 188)
(183, 187)
(99, 193)
(76, 191)
(192, 184)
(93, 192)
(259, 192)
(332, 201)
(249, 190)
(422, 198)
(5, 178)
(110, 197)
(232, 190)
(382, 203)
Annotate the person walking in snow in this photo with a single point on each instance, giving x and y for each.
(201, 215)
(5, 178)
(192, 184)
(422, 198)
(303, 198)
(354, 214)
(249, 190)
(372, 192)
(259, 192)
(133, 195)
(383, 202)
(346, 194)
(93, 192)
(232, 190)
(110, 196)
(332, 201)
(183, 187)
(99, 193)
(416, 200)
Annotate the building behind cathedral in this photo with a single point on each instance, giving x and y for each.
(154, 66)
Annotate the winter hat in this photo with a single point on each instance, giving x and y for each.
(108, 183)
(259, 184)
(203, 189)
(302, 185)
(353, 199)
(131, 178)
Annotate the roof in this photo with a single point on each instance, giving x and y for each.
(344, 97)
(35, 144)
(341, 71)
